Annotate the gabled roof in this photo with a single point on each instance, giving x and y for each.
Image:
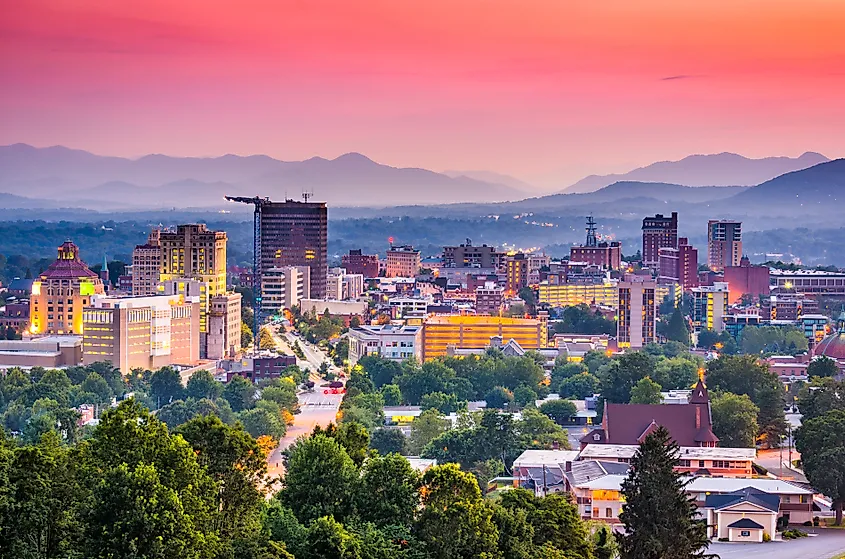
(751, 495)
(699, 394)
(689, 424)
(588, 470)
(745, 523)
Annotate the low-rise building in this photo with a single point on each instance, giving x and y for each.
(397, 343)
(224, 326)
(694, 460)
(402, 261)
(468, 332)
(543, 471)
(489, 299)
(50, 352)
(602, 293)
(258, 368)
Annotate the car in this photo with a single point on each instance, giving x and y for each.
(334, 387)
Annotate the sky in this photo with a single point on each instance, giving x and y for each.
(545, 90)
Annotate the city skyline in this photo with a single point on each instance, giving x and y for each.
(543, 91)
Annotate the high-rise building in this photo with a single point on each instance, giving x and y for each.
(357, 263)
(194, 252)
(516, 270)
(637, 311)
(283, 288)
(658, 232)
(724, 244)
(141, 332)
(679, 265)
(224, 326)
(60, 293)
(469, 256)
(402, 262)
(146, 265)
(489, 298)
(296, 234)
(710, 306)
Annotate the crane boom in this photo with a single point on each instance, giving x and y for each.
(259, 203)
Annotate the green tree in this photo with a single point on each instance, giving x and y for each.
(384, 441)
(329, 539)
(97, 385)
(389, 491)
(771, 419)
(679, 373)
(524, 396)
(381, 371)
(734, 419)
(646, 391)
(707, 339)
(824, 395)
(822, 367)
(677, 329)
(564, 370)
(595, 360)
(499, 397)
(660, 518)
(203, 385)
(246, 335)
(240, 393)
(555, 521)
(425, 428)
(560, 411)
(353, 437)
(579, 387)
(166, 386)
(319, 480)
(261, 421)
(623, 373)
(391, 394)
(444, 403)
(821, 442)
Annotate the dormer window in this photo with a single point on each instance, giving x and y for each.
(596, 437)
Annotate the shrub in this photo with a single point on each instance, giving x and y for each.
(724, 540)
(808, 523)
(816, 521)
(766, 537)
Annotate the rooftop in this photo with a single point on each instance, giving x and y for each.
(729, 485)
(545, 458)
(597, 451)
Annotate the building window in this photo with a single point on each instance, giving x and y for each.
(701, 463)
(608, 512)
(596, 512)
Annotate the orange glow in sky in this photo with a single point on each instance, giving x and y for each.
(548, 90)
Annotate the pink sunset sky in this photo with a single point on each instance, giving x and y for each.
(546, 90)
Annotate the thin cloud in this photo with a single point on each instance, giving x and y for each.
(678, 77)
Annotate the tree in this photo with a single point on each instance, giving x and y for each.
(527, 295)
(677, 329)
(821, 442)
(246, 335)
(425, 428)
(97, 385)
(824, 395)
(595, 360)
(166, 386)
(391, 394)
(319, 480)
(734, 419)
(328, 538)
(260, 421)
(660, 518)
(646, 391)
(353, 437)
(240, 393)
(560, 411)
(380, 370)
(579, 387)
(555, 521)
(499, 397)
(678, 373)
(822, 367)
(524, 396)
(389, 491)
(623, 373)
(385, 441)
(203, 385)
(266, 340)
(444, 403)
(707, 339)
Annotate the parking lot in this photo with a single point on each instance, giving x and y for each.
(829, 543)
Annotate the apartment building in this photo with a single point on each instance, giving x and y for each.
(396, 343)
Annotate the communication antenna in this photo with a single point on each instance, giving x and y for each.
(306, 194)
(591, 232)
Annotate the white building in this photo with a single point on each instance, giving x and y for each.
(283, 288)
(224, 327)
(391, 342)
(400, 306)
(341, 286)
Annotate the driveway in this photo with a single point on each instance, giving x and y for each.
(827, 544)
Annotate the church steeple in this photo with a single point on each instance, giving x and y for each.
(699, 394)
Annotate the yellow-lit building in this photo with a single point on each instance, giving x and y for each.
(61, 292)
(472, 332)
(194, 252)
(572, 294)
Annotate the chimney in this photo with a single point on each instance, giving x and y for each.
(568, 466)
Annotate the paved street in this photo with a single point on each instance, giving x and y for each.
(829, 543)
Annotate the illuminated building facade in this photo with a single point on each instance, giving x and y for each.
(472, 332)
(516, 269)
(637, 312)
(146, 265)
(61, 292)
(724, 244)
(402, 262)
(571, 294)
(710, 305)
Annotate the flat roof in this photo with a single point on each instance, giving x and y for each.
(729, 485)
(597, 451)
(545, 457)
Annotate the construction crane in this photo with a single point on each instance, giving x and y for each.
(259, 204)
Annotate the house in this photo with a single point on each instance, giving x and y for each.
(596, 488)
(742, 516)
(542, 471)
(693, 460)
(629, 424)
(796, 501)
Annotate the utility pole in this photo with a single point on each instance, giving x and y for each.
(259, 204)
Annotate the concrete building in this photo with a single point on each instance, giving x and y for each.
(469, 332)
(516, 267)
(710, 306)
(339, 308)
(357, 263)
(716, 461)
(603, 293)
(537, 262)
(402, 262)
(334, 286)
(141, 332)
(746, 279)
(607, 255)
(283, 288)
(809, 282)
(61, 292)
(146, 265)
(678, 265)
(469, 256)
(341, 285)
(296, 234)
(402, 306)
(637, 311)
(258, 368)
(489, 299)
(224, 327)
(353, 286)
(396, 343)
(50, 352)
(658, 232)
(193, 252)
(724, 244)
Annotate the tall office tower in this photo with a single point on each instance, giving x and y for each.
(679, 265)
(637, 313)
(146, 265)
(658, 232)
(724, 244)
(517, 273)
(193, 252)
(60, 293)
(295, 234)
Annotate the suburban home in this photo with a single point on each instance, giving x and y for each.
(743, 515)
(595, 487)
(694, 460)
(629, 424)
(795, 501)
(542, 471)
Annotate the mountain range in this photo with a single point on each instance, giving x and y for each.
(721, 169)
